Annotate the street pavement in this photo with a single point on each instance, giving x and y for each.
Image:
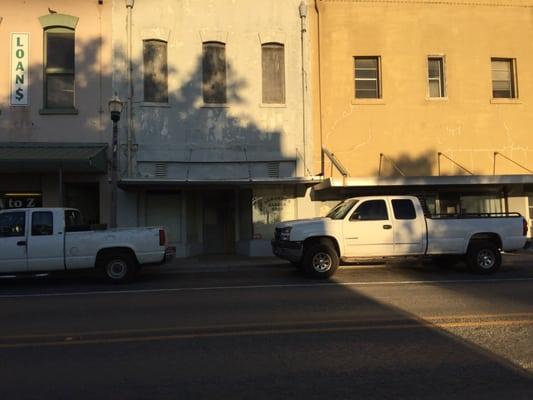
(261, 330)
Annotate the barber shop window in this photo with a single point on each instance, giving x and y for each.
(12, 224)
(372, 210)
(155, 71)
(273, 73)
(214, 73)
(42, 223)
(59, 68)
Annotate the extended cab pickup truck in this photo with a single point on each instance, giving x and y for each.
(54, 239)
(396, 226)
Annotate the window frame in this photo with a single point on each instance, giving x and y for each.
(513, 78)
(32, 226)
(443, 90)
(207, 44)
(395, 204)
(21, 234)
(165, 99)
(283, 77)
(378, 79)
(363, 202)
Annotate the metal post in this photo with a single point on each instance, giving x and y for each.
(60, 187)
(114, 176)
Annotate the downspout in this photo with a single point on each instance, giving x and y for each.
(129, 7)
(303, 15)
(319, 89)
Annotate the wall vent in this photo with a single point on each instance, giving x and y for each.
(273, 169)
(160, 170)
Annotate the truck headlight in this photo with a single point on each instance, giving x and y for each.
(285, 233)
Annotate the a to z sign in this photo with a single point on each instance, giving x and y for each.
(19, 69)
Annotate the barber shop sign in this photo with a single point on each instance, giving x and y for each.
(19, 69)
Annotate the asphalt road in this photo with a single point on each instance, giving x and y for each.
(401, 331)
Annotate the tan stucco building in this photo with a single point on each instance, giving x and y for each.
(430, 97)
(55, 80)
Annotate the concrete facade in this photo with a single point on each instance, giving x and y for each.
(404, 130)
(87, 122)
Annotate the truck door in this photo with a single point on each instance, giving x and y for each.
(45, 242)
(409, 230)
(368, 231)
(13, 242)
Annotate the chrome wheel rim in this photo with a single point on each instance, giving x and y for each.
(486, 259)
(322, 262)
(117, 269)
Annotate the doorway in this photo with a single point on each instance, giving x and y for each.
(219, 222)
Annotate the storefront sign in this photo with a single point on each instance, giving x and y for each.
(19, 69)
(20, 200)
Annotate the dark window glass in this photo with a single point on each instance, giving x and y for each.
(371, 210)
(42, 223)
(155, 71)
(273, 66)
(503, 79)
(436, 76)
(59, 68)
(367, 75)
(12, 224)
(214, 73)
(403, 209)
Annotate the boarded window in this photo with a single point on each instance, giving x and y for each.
(214, 73)
(273, 65)
(503, 78)
(155, 71)
(436, 76)
(367, 78)
(59, 68)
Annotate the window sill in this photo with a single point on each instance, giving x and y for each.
(505, 101)
(58, 111)
(370, 102)
(214, 105)
(154, 104)
(437, 99)
(273, 105)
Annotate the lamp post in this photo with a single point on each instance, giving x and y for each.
(115, 109)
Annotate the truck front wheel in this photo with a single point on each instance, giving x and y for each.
(320, 261)
(483, 257)
(118, 267)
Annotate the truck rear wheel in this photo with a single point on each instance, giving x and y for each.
(320, 261)
(483, 257)
(118, 267)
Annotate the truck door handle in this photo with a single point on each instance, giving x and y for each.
(387, 226)
(21, 243)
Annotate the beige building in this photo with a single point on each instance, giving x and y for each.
(55, 80)
(430, 97)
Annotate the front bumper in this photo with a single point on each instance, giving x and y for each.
(287, 250)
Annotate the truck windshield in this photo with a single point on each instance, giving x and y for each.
(341, 209)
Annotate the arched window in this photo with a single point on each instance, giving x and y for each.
(273, 68)
(214, 73)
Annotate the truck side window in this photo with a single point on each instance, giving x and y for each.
(12, 224)
(403, 209)
(371, 210)
(42, 223)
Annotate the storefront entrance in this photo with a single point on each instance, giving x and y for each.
(219, 222)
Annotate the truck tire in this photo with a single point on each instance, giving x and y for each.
(483, 257)
(118, 267)
(320, 261)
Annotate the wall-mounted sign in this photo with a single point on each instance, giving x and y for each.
(20, 78)
(20, 200)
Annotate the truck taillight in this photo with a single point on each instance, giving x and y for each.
(524, 227)
(162, 237)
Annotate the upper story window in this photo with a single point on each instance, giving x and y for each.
(273, 73)
(436, 85)
(214, 73)
(59, 62)
(504, 78)
(367, 78)
(155, 71)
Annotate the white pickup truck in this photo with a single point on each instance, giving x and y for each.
(396, 226)
(54, 239)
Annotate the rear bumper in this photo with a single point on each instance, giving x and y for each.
(170, 253)
(291, 251)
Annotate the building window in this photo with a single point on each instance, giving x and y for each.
(436, 77)
(367, 78)
(504, 78)
(273, 68)
(59, 68)
(155, 71)
(530, 203)
(214, 73)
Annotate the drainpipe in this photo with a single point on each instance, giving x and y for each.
(129, 6)
(303, 15)
(319, 89)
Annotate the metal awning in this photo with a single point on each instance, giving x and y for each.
(167, 183)
(335, 188)
(49, 157)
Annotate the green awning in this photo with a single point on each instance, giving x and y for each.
(48, 157)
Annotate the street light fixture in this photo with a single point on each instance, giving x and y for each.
(115, 109)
